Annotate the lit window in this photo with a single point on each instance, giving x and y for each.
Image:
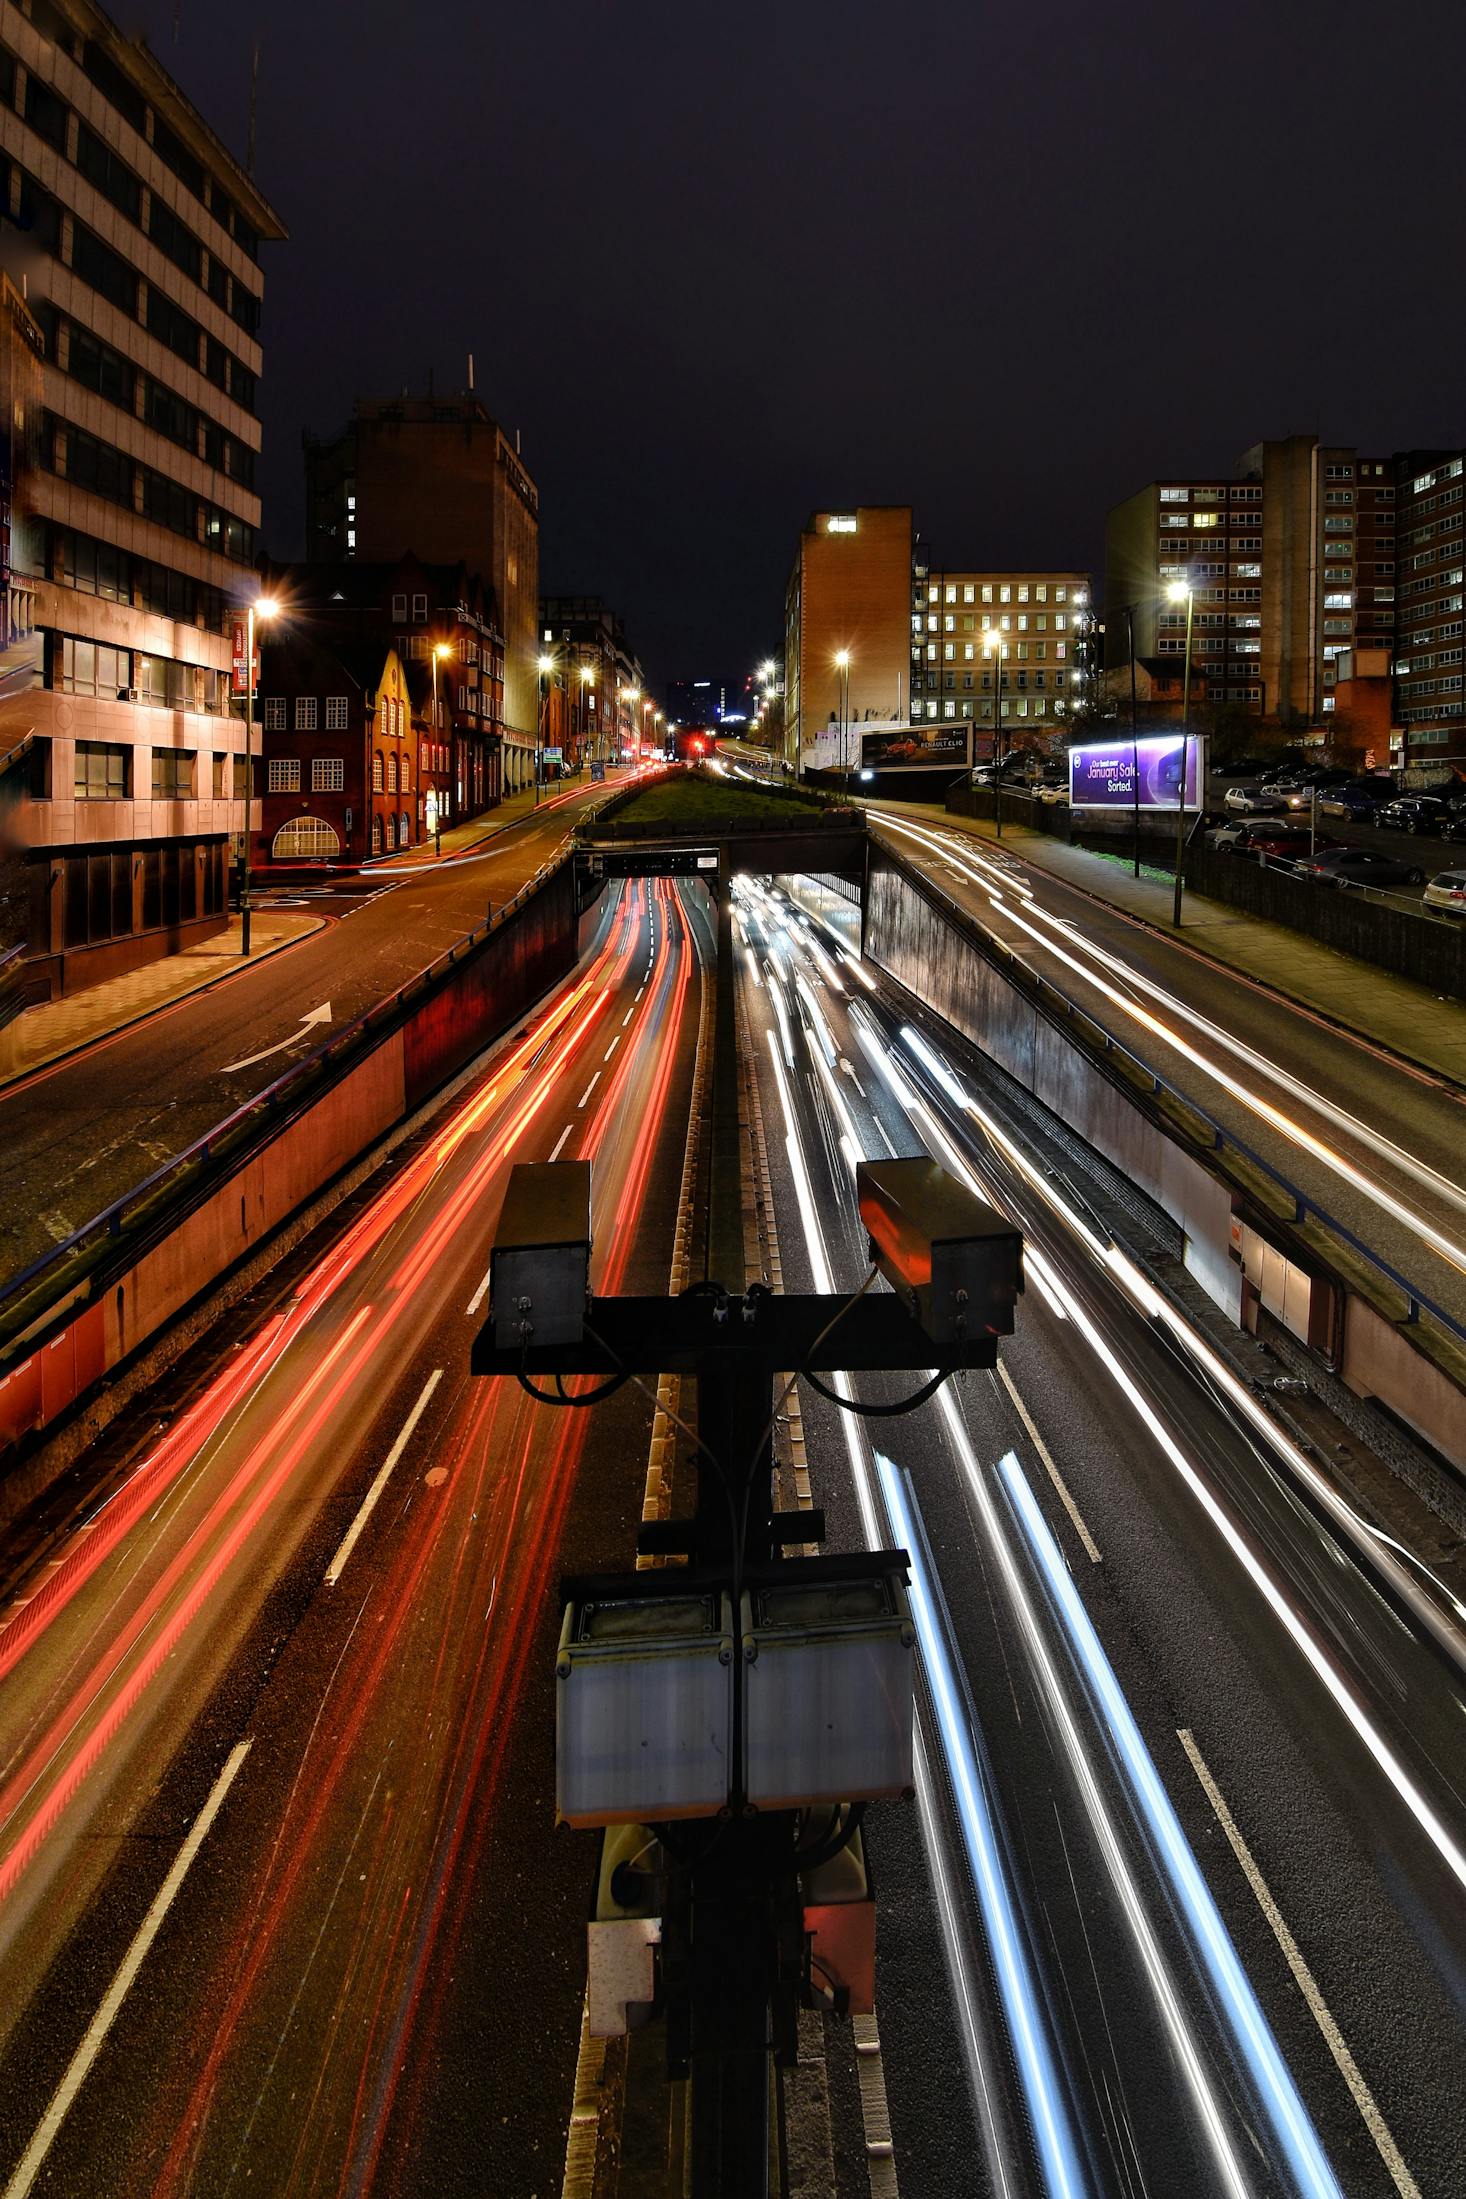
(327, 774)
(336, 713)
(284, 775)
(274, 713)
(305, 713)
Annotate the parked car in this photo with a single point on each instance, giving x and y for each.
(1453, 825)
(1447, 890)
(1360, 799)
(1413, 813)
(1359, 867)
(1252, 801)
(1053, 791)
(1257, 835)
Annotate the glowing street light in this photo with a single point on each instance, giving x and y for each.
(1181, 591)
(263, 607)
(992, 648)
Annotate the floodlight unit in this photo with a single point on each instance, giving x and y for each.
(539, 1268)
(954, 1262)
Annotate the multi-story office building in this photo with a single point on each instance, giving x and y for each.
(138, 246)
(440, 477)
(593, 698)
(977, 639)
(728, 702)
(1431, 620)
(848, 596)
(1291, 561)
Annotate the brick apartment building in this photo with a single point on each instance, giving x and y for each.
(593, 676)
(438, 477)
(1430, 702)
(341, 749)
(440, 619)
(136, 237)
(849, 590)
(1292, 563)
(969, 630)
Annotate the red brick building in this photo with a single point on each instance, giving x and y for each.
(340, 752)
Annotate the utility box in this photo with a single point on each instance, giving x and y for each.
(644, 1709)
(956, 1264)
(827, 1690)
(539, 1264)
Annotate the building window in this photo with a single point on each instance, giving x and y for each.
(399, 607)
(99, 773)
(328, 774)
(1175, 496)
(91, 668)
(284, 774)
(419, 609)
(336, 713)
(305, 713)
(274, 713)
(173, 774)
(377, 774)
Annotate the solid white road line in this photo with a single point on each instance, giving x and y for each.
(481, 1293)
(564, 1134)
(585, 1095)
(1090, 1545)
(369, 1501)
(1364, 2099)
(35, 2153)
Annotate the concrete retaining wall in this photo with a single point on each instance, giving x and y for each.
(932, 952)
(221, 1221)
(936, 952)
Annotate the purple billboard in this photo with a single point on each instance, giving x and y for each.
(1102, 775)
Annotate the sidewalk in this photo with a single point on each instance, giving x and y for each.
(56, 1028)
(466, 838)
(1404, 1018)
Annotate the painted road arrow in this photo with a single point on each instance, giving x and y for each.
(317, 1015)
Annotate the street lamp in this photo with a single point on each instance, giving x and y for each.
(1181, 591)
(263, 607)
(441, 649)
(992, 648)
(842, 665)
(547, 666)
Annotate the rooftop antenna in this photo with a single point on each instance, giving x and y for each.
(470, 371)
(254, 91)
(177, 19)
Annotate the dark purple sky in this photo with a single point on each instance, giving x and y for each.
(725, 266)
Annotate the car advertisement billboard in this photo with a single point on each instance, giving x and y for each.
(1103, 774)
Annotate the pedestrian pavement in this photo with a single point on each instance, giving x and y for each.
(53, 1029)
(1395, 1013)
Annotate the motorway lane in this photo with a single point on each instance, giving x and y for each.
(1186, 1623)
(1376, 1145)
(373, 1978)
(77, 1135)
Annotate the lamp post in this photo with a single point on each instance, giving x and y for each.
(547, 666)
(441, 649)
(262, 607)
(842, 666)
(1134, 735)
(1181, 591)
(992, 646)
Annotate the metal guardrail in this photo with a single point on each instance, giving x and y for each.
(1384, 896)
(42, 1287)
(1031, 982)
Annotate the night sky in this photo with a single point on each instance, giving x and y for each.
(723, 267)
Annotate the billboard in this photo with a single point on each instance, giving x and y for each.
(1102, 774)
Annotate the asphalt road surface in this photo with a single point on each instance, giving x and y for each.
(75, 1136)
(1137, 1617)
(307, 1624)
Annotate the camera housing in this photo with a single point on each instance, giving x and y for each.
(955, 1263)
